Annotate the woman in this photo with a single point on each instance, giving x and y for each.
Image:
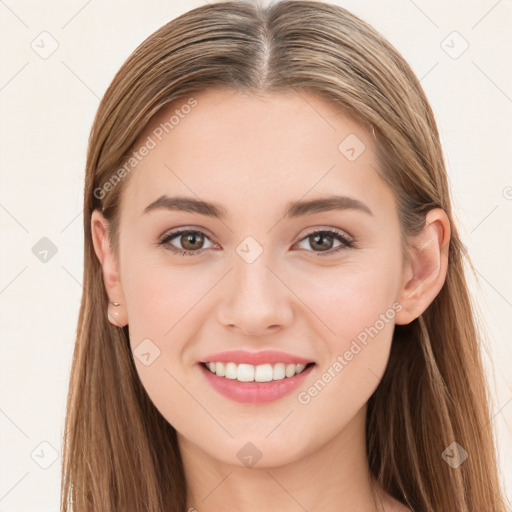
(275, 314)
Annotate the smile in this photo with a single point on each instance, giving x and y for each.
(260, 386)
(250, 373)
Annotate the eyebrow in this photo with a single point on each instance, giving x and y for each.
(292, 210)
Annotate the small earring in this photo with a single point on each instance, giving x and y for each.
(111, 319)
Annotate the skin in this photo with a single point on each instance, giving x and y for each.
(253, 155)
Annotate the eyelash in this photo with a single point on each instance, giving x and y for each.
(346, 242)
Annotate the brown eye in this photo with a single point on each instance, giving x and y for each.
(323, 241)
(191, 242)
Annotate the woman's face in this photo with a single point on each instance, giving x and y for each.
(262, 278)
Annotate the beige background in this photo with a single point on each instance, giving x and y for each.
(47, 106)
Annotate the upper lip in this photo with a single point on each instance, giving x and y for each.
(255, 358)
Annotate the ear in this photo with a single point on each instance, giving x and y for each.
(425, 271)
(100, 239)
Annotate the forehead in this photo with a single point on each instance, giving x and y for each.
(232, 147)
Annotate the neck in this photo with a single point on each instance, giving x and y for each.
(333, 477)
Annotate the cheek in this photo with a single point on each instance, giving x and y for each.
(161, 305)
(355, 309)
(159, 296)
(350, 298)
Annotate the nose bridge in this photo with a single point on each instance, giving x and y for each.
(255, 298)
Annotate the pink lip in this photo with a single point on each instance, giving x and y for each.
(255, 392)
(255, 358)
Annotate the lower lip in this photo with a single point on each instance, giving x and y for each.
(255, 392)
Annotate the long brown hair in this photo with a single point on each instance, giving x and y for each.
(119, 453)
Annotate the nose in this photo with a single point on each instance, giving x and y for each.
(256, 300)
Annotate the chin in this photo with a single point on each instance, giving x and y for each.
(257, 450)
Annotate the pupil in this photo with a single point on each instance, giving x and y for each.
(191, 238)
(322, 238)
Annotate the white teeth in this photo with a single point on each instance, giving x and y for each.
(278, 372)
(245, 373)
(290, 370)
(250, 373)
(220, 369)
(263, 373)
(231, 370)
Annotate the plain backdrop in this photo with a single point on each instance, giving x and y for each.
(57, 59)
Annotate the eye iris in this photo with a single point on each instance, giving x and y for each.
(191, 238)
(321, 237)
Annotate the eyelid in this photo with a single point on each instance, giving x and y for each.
(347, 241)
(185, 229)
(176, 232)
(312, 230)
(329, 229)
